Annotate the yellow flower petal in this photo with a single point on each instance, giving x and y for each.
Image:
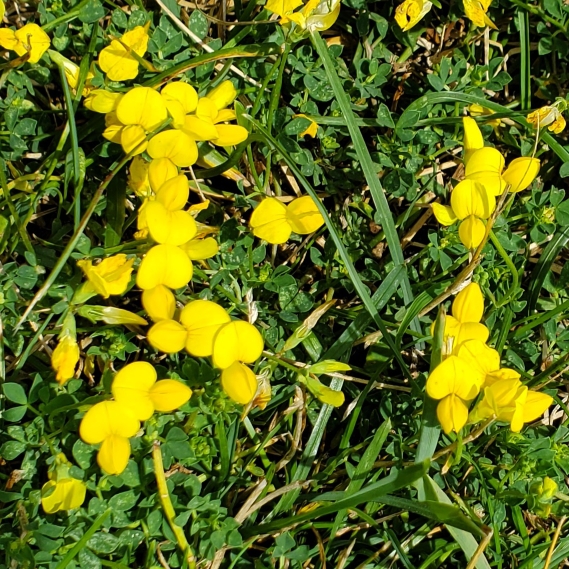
(225, 115)
(453, 376)
(113, 133)
(521, 172)
(472, 138)
(164, 264)
(161, 170)
(64, 359)
(479, 358)
(167, 336)
(75, 492)
(303, 215)
(206, 110)
(312, 128)
(138, 177)
(236, 341)
(105, 419)
(230, 135)
(269, 221)
(485, 160)
(475, 11)
(452, 413)
(52, 502)
(282, 7)
(500, 374)
(493, 182)
(169, 394)
(410, 12)
(471, 232)
(470, 331)
(322, 14)
(183, 93)
(535, 405)
(169, 227)
(114, 454)
(33, 40)
(200, 249)
(133, 139)
(101, 101)
(202, 319)
(67, 494)
(8, 39)
(444, 214)
(111, 276)
(175, 145)
(239, 383)
(131, 387)
(199, 129)
(159, 303)
(471, 198)
(144, 107)
(223, 95)
(173, 194)
(117, 61)
(468, 305)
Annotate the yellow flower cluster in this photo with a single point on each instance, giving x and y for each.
(473, 200)
(205, 329)
(137, 395)
(410, 12)
(470, 367)
(131, 117)
(62, 492)
(274, 221)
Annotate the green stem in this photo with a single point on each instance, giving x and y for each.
(515, 276)
(168, 508)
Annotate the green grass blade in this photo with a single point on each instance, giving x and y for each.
(367, 164)
(525, 76)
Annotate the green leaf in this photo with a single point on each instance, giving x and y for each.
(15, 392)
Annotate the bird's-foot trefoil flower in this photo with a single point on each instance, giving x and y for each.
(550, 116)
(102, 101)
(135, 387)
(166, 265)
(409, 13)
(476, 12)
(239, 383)
(65, 356)
(312, 128)
(110, 424)
(274, 221)
(464, 324)
(28, 40)
(110, 277)
(117, 59)
(520, 173)
(62, 492)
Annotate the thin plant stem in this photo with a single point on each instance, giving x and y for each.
(168, 508)
(515, 276)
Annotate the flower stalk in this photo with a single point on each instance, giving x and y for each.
(168, 508)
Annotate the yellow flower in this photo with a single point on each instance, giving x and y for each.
(282, 7)
(410, 12)
(311, 129)
(475, 11)
(111, 276)
(200, 320)
(485, 166)
(160, 171)
(453, 382)
(477, 110)
(236, 341)
(111, 424)
(316, 15)
(117, 61)
(482, 361)
(64, 359)
(239, 383)
(470, 202)
(166, 265)
(159, 302)
(101, 101)
(521, 172)
(2, 10)
(135, 387)
(511, 402)
(175, 145)
(549, 116)
(29, 39)
(62, 495)
(141, 110)
(138, 180)
(273, 221)
(166, 222)
(464, 324)
(181, 99)
(473, 139)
